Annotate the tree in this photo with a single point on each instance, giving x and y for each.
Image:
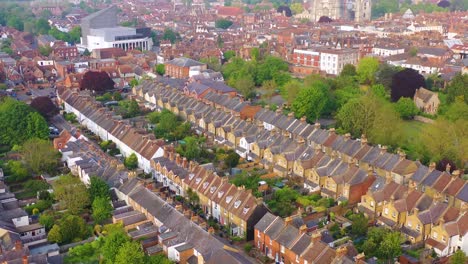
(459, 257)
(44, 106)
(406, 108)
(71, 193)
(385, 73)
(98, 188)
(70, 228)
(269, 87)
(232, 159)
(130, 252)
(348, 70)
(444, 164)
(223, 23)
(390, 247)
(102, 209)
(457, 110)
(285, 11)
(45, 50)
(131, 162)
(311, 101)
(229, 54)
(282, 202)
(160, 69)
(193, 197)
(192, 148)
(15, 22)
(112, 243)
(296, 8)
(98, 82)
(130, 108)
(18, 171)
(405, 83)
(359, 225)
(290, 90)
(18, 123)
(86, 52)
(39, 155)
(41, 26)
(55, 234)
(75, 35)
(245, 85)
(458, 88)
(366, 69)
(47, 220)
(133, 82)
(170, 35)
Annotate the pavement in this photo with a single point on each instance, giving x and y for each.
(59, 122)
(22, 96)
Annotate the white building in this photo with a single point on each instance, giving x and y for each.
(332, 61)
(383, 51)
(117, 37)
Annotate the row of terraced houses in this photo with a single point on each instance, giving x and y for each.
(427, 205)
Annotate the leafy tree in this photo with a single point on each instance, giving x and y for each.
(47, 220)
(311, 102)
(45, 50)
(98, 188)
(366, 69)
(193, 197)
(384, 75)
(86, 253)
(70, 228)
(130, 108)
(18, 171)
(170, 35)
(117, 96)
(245, 85)
(348, 70)
(359, 225)
(75, 35)
(442, 165)
(130, 252)
(296, 8)
(284, 10)
(343, 95)
(406, 108)
(112, 244)
(98, 82)
(133, 82)
(457, 110)
(381, 7)
(19, 123)
(160, 69)
(291, 90)
(229, 54)
(212, 62)
(39, 155)
(282, 202)
(44, 106)
(269, 87)
(71, 193)
(379, 91)
(15, 22)
(102, 209)
(458, 88)
(223, 23)
(390, 247)
(131, 162)
(42, 26)
(86, 53)
(191, 149)
(405, 83)
(55, 234)
(459, 257)
(232, 159)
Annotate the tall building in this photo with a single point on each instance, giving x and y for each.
(101, 30)
(356, 10)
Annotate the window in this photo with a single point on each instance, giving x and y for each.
(237, 204)
(282, 249)
(271, 242)
(258, 235)
(297, 258)
(393, 214)
(434, 234)
(409, 223)
(444, 239)
(386, 211)
(372, 203)
(418, 227)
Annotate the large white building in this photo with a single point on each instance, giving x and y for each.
(332, 61)
(100, 30)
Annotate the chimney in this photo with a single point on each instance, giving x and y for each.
(291, 114)
(178, 159)
(288, 220)
(303, 119)
(303, 229)
(279, 110)
(360, 258)
(267, 107)
(184, 163)
(166, 152)
(259, 200)
(317, 125)
(383, 149)
(402, 154)
(347, 136)
(341, 251)
(25, 260)
(211, 230)
(415, 210)
(317, 149)
(388, 178)
(448, 167)
(456, 174)
(316, 237)
(332, 131)
(18, 245)
(363, 139)
(171, 154)
(432, 166)
(178, 207)
(300, 140)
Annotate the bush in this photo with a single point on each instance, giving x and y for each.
(248, 247)
(40, 205)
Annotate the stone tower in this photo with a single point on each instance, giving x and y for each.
(356, 10)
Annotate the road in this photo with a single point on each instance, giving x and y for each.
(22, 96)
(61, 123)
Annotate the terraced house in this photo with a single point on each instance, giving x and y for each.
(232, 206)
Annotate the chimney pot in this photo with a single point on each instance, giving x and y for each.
(25, 260)
(432, 166)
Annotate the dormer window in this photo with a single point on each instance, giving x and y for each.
(212, 189)
(237, 204)
(197, 180)
(220, 194)
(205, 184)
(246, 209)
(191, 175)
(228, 199)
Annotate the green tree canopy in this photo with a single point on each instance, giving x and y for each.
(112, 244)
(459, 257)
(39, 155)
(348, 70)
(160, 69)
(291, 90)
(98, 188)
(71, 193)
(102, 209)
(366, 69)
(458, 87)
(406, 108)
(18, 123)
(70, 228)
(130, 252)
(311, 101)
(131, 162)
(282, 202)
(223, 23)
